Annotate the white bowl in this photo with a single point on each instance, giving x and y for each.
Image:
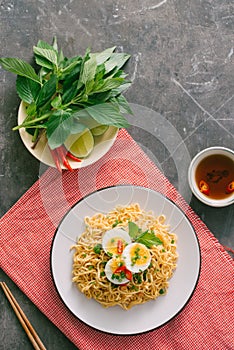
(102, 145)
(192, 171)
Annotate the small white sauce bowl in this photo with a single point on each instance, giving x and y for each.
(192, 171)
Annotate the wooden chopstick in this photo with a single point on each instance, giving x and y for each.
(31, 333)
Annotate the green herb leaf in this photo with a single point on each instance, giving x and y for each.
(27, 89)
(133, 230)
(19, 67)
(57, 102)
(117, 60)
(60, 125)
(58, 128)
(107, 114)
(149, 239)
(44, 45)
(123, 104)
(69, 94)
(31, 110)
(48, 54)
(108, 84)
(47, 91)
(103, 56)
(89, 70)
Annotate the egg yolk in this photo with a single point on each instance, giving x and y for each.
(139, 255)
(115, 264)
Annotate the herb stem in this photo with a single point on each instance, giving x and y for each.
(31, 122)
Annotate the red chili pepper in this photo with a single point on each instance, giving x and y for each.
(120, 246)
(71, 156)
(62, 154)
(121, 268)
(204, 187)
(128, 274)
(230, 187)
(56, 159)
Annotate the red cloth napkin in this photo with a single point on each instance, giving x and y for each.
(27, 231)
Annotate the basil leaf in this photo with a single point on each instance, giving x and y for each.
(27, 89)
(133, 229)
(19, 67)
(107, 114)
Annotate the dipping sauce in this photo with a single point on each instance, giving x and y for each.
(218, 172)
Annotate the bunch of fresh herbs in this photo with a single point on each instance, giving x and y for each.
(66, 92)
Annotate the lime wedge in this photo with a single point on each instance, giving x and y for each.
(99, 130)
(81, 145)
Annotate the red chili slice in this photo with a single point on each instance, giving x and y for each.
(204, 187)
(128, 274)
(120, 269)
(120, 246)
(230, 187)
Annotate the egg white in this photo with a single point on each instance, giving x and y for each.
(140, 264)
(114, 234)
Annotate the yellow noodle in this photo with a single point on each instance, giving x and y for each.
(88, 266)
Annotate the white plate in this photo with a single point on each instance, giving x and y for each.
(140, 318)
(102, 145)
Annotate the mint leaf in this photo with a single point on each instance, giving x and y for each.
(27, 89)
(19, 67)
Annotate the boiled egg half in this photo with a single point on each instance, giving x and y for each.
(114, 241)
(113, 270)
(137, 257)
